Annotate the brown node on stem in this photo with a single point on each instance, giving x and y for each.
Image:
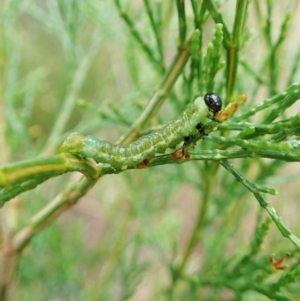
(144, 163)
(180, 154)
(278, 264)
(230, 109)
(187, 156)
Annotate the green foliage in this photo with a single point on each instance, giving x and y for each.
(202, 227)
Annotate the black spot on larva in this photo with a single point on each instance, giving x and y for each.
(186, 140)
(200, 128)
(214, 102)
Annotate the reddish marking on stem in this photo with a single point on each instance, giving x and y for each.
(145, 163)
(181, 154)
(187, 156)
(278, 264)
(222, 116)
(178, 154)
(218, 114)
(230, 109)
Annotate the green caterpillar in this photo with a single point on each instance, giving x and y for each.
(189, 125)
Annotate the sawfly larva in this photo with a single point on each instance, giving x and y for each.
(190, 124)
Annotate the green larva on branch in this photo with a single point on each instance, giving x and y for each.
(185, 128)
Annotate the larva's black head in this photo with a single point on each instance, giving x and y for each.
(214, 102)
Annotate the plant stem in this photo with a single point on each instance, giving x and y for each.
(263, 203)
(181, 21)
(217, 16)
(171, 75)
(156, 31)
(234, 45)
(51, 212)
(22, 176)
(146, 49)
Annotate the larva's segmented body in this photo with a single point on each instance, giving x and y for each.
(187, 126)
